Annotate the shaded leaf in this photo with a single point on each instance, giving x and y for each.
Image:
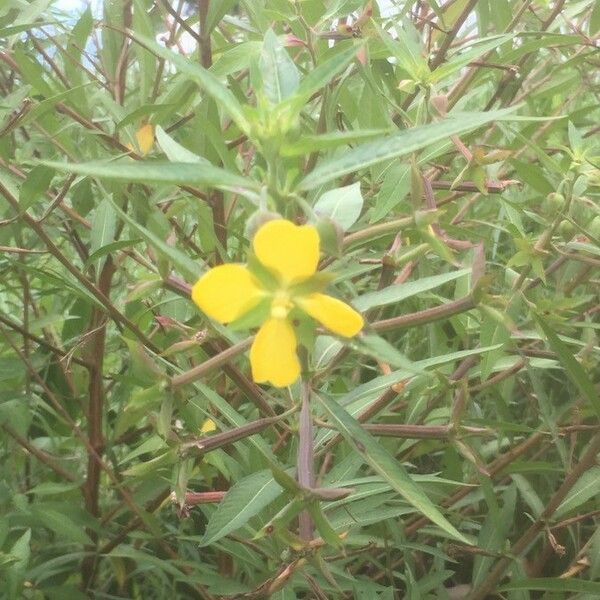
(242, 502)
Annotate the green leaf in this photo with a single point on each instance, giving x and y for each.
(457, 62)
(207, 80)
(60, 523)
(104, 225)
(20, 553)
(234, 418)
(405, 47)
(312, 143)
(586, 487)
(33, 188)
(343, 205)
(575, 371)
(386, 465)
(279, 74)
(112, 39)
(140, 114)
(216, 11)
(242, 502)
(396, 293)
(49, 488)
(395, 186)
(237, 58)
(594, 22)
(176, 152)
(403, 143)
(109, 249)
(493, 534)
(14, 412)
(146, 60)
(14, 29)
(150, 171)
(382, 350)
(324, 72)
(323, 526)
(183, 263)
(378, 384)
(556, 584)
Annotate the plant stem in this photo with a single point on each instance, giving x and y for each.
(588, 460)
(305, 459)
(210, 364)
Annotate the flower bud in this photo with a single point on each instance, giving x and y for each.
(331, 235)
(566, 230)
(256, 220)
(553, 204)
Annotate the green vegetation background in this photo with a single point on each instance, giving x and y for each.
(448, 152)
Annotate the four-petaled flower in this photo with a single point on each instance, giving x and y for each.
(288, 256)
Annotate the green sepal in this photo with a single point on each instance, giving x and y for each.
(315, 283)
(323, 525)
(331, 236)
(267, 278)
(254, 317)
(285, 481)
(437, 245)
(289, 512)
(304, 327)
(290, 539)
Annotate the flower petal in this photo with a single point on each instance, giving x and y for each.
(273, 354)
(292, 251)
(334, 314)
(145, 138)
(226, 292)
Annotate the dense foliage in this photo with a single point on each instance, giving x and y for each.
(447, 154)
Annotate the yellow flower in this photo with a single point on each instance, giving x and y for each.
(289, 256)
(208, 426)
(144, 137)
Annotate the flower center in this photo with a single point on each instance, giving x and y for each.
(281, 305)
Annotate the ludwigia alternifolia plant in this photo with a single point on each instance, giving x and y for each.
(299, 299)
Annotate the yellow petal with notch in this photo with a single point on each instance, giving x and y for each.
(335, 315)
(227, 292)
(291, 251)
(273, 354)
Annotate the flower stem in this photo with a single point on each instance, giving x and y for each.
(305, 459)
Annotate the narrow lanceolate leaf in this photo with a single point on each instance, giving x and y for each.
(173, 173)
(325, 72)
(207, 81)
(326, 141)
(103, 226)
(280, 77)
(402, 143)
(557, 584)
(386, 465)
(176, 152)
(242, 502)
(587, 487)
(457, 62)
(397, 293)
(180, 261)
(378, 384)
(575, 371)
